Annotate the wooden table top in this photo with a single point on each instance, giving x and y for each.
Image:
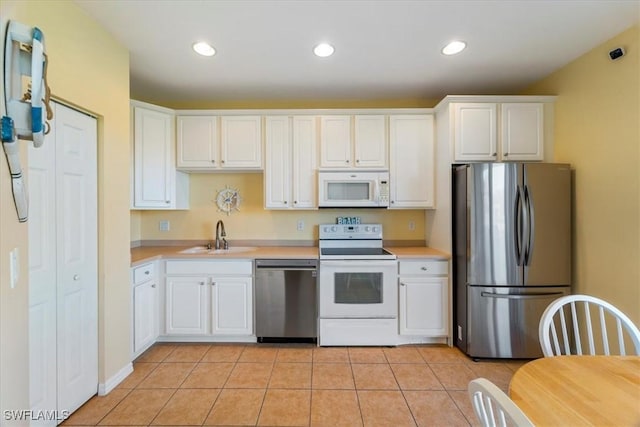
(579, 390)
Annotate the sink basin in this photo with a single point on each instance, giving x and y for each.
(231, 250)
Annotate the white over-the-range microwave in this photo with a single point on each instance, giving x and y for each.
(340, 189)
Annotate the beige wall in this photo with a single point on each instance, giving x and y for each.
(89, 69)
(252, 221)
(597, 131)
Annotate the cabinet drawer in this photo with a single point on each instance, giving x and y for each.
(143, 273)
(227, 268)
(424, 268)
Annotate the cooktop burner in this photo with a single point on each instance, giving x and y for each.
(352, 242)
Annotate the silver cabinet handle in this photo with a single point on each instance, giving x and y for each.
(76, 277)
(423, 268)
(402, 284)
(147, 272)
(153, 286)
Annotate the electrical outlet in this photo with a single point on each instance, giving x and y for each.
(412, 225)
(300, 225)
(164, 225)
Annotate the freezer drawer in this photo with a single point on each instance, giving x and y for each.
(503, 321)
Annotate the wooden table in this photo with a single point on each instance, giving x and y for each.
(579, 390)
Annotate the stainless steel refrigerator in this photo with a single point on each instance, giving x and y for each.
(512, 254)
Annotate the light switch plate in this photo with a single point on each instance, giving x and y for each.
(164, 225)
(300, 225)
(14, 267)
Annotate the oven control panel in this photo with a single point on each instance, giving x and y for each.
(353, 231)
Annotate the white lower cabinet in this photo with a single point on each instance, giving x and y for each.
(208, 298)
(145, 307)
(424, 298)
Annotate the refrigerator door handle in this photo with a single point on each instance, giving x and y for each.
(518, 235)
(528, 202)
(521, 296)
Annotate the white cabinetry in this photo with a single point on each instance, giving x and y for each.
(487, 131)
(210, 143)
(365, 147)
(156, 183)
(209, 298)
(412, 175)
(145, 307)
(290, 162)
(424, 298)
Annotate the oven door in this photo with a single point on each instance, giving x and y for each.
(358, 289)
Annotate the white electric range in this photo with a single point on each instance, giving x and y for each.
(358, 302)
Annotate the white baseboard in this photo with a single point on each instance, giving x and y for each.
(111, 383)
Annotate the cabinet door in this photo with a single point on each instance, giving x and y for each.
(241, 142)
(154, 175)
(277, 173)
(197, 142)
(475, 135)
(305, 139)
(187, 305)
(232, 311)
(370, 141)
(412, 172)
(145, 315)
(423, 306)
(522, 131)
(335, 142)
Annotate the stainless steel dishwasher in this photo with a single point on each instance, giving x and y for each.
(286, 299)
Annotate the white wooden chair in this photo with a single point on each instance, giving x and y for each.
(493, 407)
(563, 321)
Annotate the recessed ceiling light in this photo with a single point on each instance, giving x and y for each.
(323, 50)
(454, 47)
(204, 49)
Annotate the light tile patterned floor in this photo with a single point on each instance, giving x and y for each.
(294, 385)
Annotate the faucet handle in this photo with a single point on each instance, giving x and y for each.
(209, 246)
(225, 244)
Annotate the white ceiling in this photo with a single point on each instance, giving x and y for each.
(384, 49)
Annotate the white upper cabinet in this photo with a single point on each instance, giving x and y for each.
(364, 146)
(498, 131)
(411, 171)
(370, 142)
(290, 163)
(197, 141)
(475, 135)
(156, 184)
(522, 131)
(213, 142)
(241, 142)
(335, 142)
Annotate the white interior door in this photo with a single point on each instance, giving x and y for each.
(63, 263)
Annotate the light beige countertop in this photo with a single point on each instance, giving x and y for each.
(144, 254)
(417, 252)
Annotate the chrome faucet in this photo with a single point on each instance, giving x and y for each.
(225, 244)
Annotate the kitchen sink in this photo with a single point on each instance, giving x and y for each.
(231, 250)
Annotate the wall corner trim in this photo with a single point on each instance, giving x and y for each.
(111, 383)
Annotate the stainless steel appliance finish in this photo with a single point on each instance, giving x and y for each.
(286, 299)
(512, 253)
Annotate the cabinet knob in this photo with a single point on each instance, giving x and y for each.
(147, 272)
(201, 283)
(346, 161)
(76, 277)
(393, 201)
(286, 202)
(295, 202)
(213, 283)
(494, 154)
(401, 284)
(222, 161)
(506, 154)
(153, 286)
(423, 268)
(358, 161)
(213, 161)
